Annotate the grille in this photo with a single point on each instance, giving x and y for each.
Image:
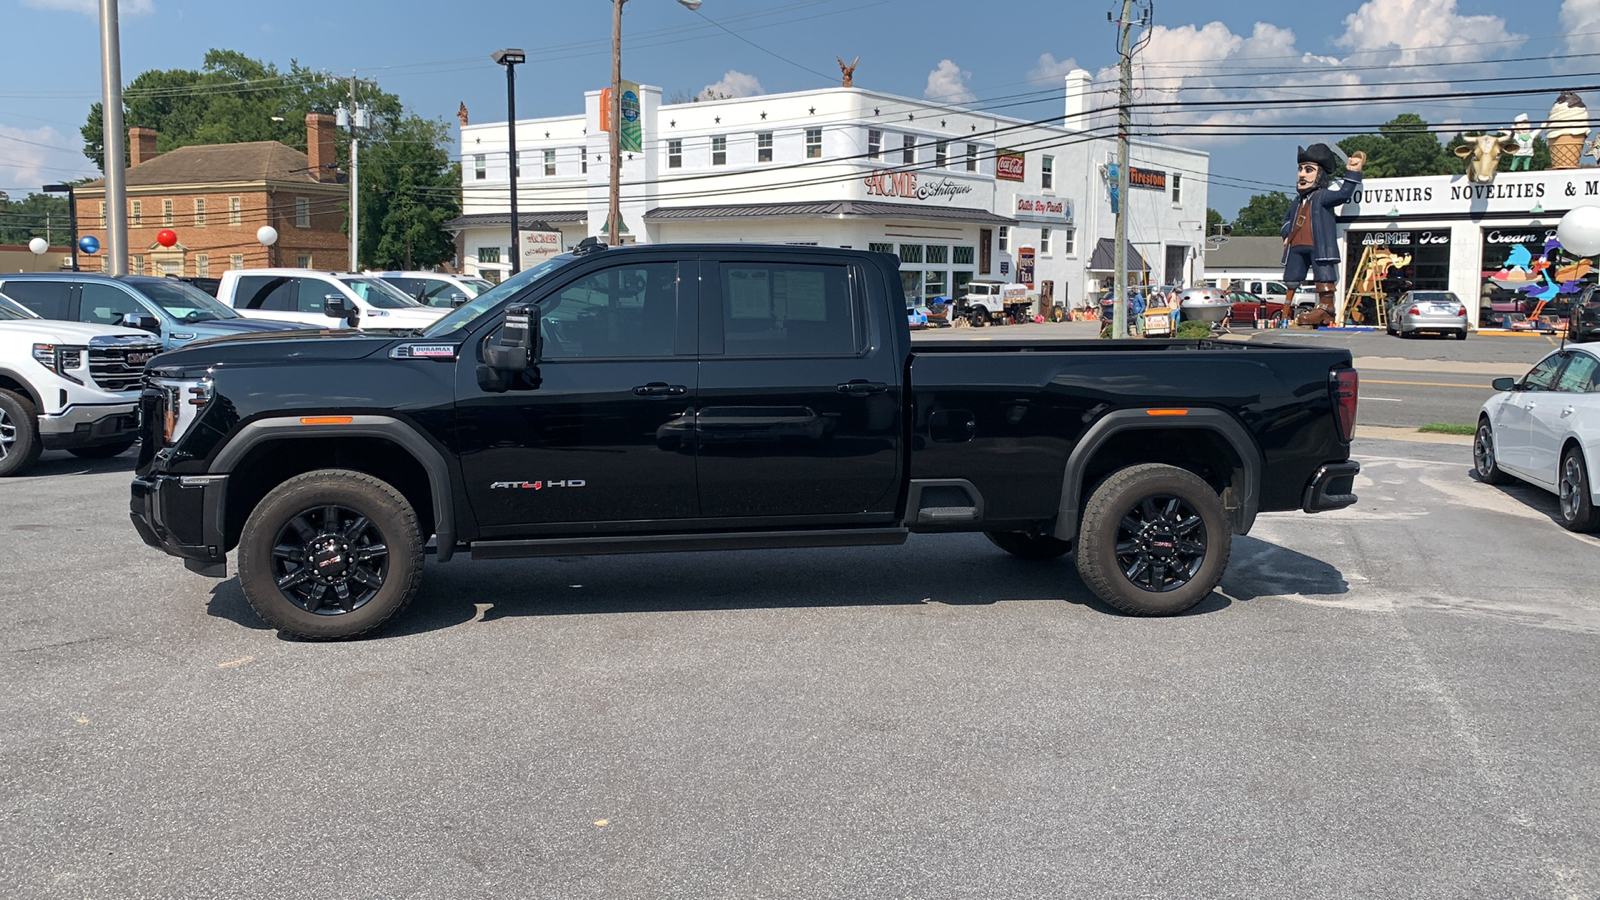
(120, 368)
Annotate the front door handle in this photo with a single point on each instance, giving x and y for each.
(660, 389)
(860, 388)
(1567, 411)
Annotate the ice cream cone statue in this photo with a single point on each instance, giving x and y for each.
(1566, 131)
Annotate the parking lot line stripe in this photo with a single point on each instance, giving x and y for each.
(1427, 383)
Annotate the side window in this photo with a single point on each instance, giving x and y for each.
(625, 312)
(1542, 377)
(268, 292)
(47, 298)
(787, 309)
(1579, 375)
(311, 291)
(412, 286)
(105, 304)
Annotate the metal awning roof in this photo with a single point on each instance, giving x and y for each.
(826, 209)
(1104, 258)
(527, 221)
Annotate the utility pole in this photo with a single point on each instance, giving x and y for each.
(355, 119)
(613, 208)
(1119, 317)
(113, 140)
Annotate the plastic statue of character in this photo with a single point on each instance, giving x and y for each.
(1566, 130)
(1522, 136)
(1310, 237)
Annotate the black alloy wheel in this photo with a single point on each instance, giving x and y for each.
(1483, 458)
(330, 560)
(1161, 543)
(1154, 540)
(1578, 512)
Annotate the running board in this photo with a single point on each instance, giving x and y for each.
(688, 543)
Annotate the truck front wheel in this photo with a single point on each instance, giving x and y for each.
(19, 433)
(330, 554)
(1154, 540)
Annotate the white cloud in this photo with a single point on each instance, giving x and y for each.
(31, 157)
(734, 84)
(1048, 68)
(1421, 30)
(91, 8)
(947, 83)
(1580, 22)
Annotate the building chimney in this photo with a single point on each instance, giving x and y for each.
(1077, 118)
(141, 145)
(320, 146)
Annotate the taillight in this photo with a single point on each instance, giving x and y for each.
(1462, 312)
(1412, 311)
(1344, 383)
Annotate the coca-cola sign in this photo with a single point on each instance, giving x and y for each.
(1009, 165)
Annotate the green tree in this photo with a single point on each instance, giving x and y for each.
(1404, 146)
(37, 215)
(1213, 219)
(1262, 215)
(409, 189)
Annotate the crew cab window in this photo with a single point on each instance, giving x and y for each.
(786, 309)
(1543, 376)
(627, 312)
(269, 292)
(105, 304)
(47, 298)
(1578, 376)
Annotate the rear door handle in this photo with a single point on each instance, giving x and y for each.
(861, 388)
(660, 389)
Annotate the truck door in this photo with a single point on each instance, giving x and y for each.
(599, 441)
(800, 406)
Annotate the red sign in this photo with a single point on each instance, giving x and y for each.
(892, 184)
(1009, 165)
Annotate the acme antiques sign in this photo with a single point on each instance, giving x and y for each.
(885, 183)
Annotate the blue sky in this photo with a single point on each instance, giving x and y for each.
(436, 56)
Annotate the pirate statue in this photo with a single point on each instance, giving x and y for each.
(1310, 244)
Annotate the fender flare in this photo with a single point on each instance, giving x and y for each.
(386, 427)
(28, 390)
(1124, 420)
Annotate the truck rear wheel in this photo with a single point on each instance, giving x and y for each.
(1154, 540)
(330, 554)
(19, 433)
(1028, 546)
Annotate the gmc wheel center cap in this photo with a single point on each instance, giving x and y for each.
(329, 560)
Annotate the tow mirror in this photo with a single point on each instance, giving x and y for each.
(457, 299)
(512, 358)
(141, 321)
(338, 306)
(1506, 383)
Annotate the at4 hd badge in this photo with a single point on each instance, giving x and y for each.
(537, 485)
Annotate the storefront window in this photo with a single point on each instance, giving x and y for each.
(1524, 267)
(959, 285)
(933, 285)
(938, 254)
(881, 248)
(912, 283)
(911, 253)
(963, 256)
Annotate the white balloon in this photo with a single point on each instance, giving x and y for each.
(267, 235)
(1579, 231)
(39, 246)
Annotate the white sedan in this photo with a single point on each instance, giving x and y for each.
(1544, 428)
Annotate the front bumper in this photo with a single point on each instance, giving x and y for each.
(81, 425)
(183, 516)
(1332, 487)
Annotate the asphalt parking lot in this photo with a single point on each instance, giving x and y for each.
(1391, 700)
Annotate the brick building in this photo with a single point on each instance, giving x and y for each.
(215, 197)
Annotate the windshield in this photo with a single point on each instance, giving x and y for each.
(466, 314)
(380, 294)
(184, 302)
(11, 309)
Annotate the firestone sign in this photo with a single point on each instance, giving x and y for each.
(1149, 179)
(884, 183)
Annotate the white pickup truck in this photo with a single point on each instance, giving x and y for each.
(301, 296)
(70, 386)
(995, 302)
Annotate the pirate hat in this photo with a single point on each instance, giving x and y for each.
(1321, 155)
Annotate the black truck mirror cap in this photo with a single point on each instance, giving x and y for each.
(338, 306)
(516, 346)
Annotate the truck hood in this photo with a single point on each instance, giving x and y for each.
(220, 327)
(278, 347)
(409, 317)
(54, 331)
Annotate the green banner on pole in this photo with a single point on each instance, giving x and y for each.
(632, 134)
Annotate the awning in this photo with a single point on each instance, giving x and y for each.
(826, 209)
(526, 221)
(1104, 258)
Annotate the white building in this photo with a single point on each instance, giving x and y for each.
(1488, 243)
(958, 194)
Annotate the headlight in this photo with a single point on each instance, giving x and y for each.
(184, 400)
(60, 359)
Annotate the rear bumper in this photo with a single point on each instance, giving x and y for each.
(181, 515)
(1332, 487)
(82, 425)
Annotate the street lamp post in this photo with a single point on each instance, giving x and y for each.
(511, 59)
(614, 213)
(72, 215)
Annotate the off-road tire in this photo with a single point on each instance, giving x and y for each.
(20, 420)
(102, 451)
(1131, 495)
(306, 498)
(1028, 546)
(1485, 461)
(1578, 512)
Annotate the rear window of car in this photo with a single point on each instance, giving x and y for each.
(1433, 297)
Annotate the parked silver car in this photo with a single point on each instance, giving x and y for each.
(1437, 311)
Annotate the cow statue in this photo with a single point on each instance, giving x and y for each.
(1482, 153)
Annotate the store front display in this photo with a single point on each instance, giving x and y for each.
(1526, 271)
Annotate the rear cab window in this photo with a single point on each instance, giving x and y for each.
(47, 298)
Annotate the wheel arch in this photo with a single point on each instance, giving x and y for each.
(266, 452)
(11, 381)
(1208, 442)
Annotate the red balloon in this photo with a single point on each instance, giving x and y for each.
(167, 237)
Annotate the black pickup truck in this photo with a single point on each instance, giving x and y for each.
(711, 397)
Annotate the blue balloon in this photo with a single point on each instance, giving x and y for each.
(89, 244)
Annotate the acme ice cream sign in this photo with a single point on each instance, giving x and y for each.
(884, 183)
